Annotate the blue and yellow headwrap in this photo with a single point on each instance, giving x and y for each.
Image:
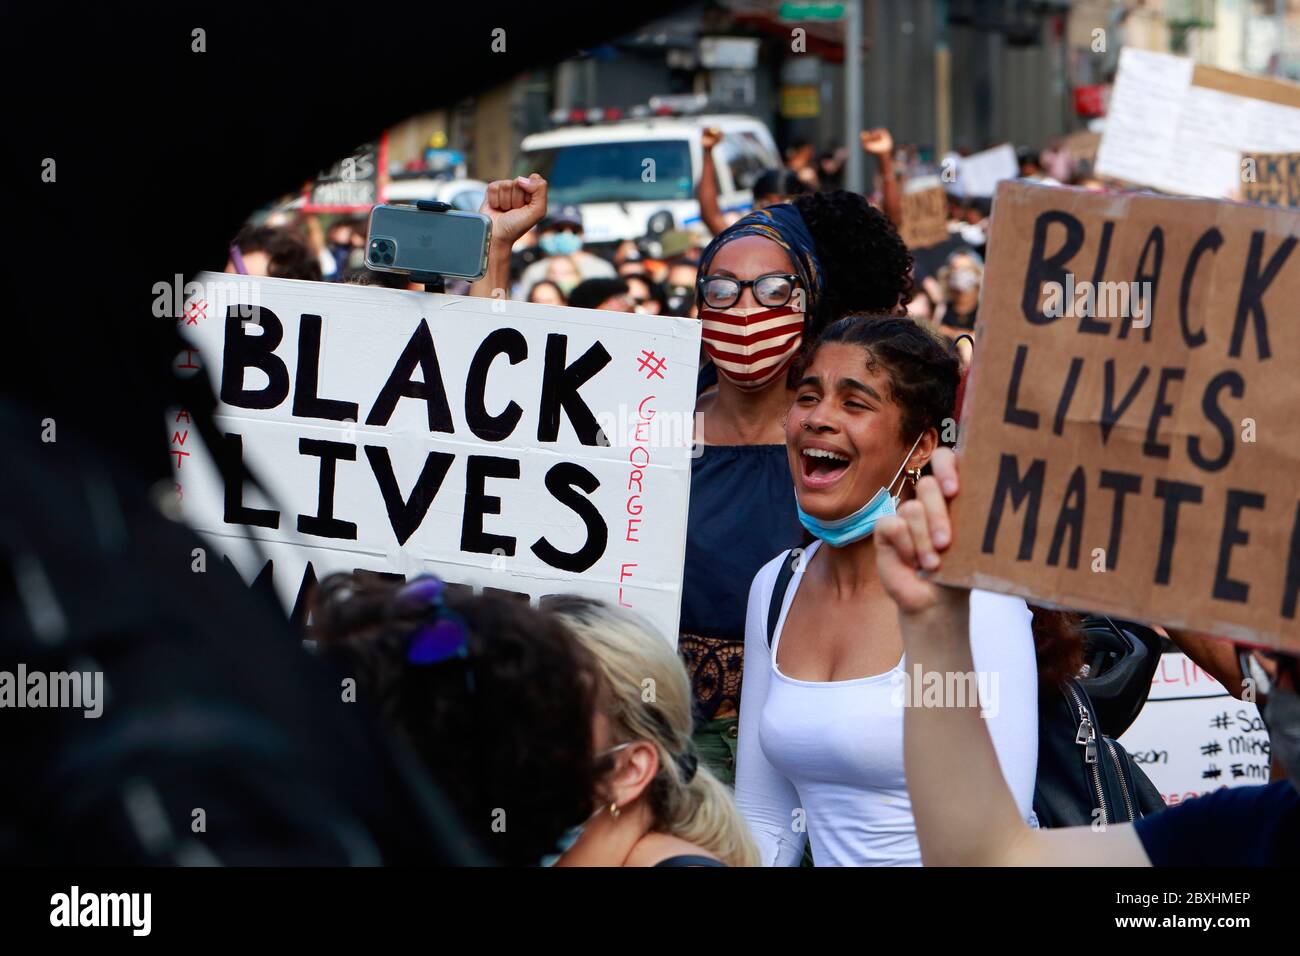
(784, 225)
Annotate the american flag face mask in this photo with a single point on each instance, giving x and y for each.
(751, 346)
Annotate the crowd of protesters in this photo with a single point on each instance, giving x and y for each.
(550, 264)
(833, 357)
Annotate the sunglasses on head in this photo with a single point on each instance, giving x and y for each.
(444, 636)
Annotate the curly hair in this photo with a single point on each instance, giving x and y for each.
(506, 730)
(867, 265)
(922, 366)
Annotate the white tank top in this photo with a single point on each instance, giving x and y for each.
(824, 760)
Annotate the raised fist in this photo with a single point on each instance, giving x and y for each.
(514, 206)
(877, 141)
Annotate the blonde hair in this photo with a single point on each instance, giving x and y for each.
(650, 700)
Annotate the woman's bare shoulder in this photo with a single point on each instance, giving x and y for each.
(654, 848)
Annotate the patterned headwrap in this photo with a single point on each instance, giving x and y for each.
(783, 224)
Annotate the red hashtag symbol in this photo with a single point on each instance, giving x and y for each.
(651, 364)
(198, 309)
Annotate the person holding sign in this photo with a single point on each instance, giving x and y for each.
(826, 681)
(965, 814)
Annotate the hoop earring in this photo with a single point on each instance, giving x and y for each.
(914, 476)
(614, 811)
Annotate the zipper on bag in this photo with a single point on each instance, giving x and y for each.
(1086, 737)
(1123, 784)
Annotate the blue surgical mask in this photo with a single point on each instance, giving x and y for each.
(560, 243)
(571, 836)
(841, 531)
(567, 839)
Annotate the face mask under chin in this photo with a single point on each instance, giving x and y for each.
(571, 836)
(837, 532)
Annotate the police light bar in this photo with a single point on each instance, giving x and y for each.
(675, 105)
(679, 104)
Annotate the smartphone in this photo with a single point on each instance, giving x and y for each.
(410, 240)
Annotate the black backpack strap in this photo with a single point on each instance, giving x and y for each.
(778, 591)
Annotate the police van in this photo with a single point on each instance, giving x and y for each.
(621, 170)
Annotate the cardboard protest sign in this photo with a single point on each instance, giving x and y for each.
(1082, 147)
(925, 213)
(1180, 127)
(527, 448)
(353, 184)
(1130, 433)
(1192, 736)
(1271, 178)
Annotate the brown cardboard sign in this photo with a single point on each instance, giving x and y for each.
(1271, 178)
(1082, 146)
(1130, 437)
(925, 216)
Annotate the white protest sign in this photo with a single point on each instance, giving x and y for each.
(1181, 127)
(528, 448)
(980, 173)
(1192, 736)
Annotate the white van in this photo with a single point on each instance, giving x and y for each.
(606, 169)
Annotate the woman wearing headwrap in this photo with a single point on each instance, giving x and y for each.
(766, 285)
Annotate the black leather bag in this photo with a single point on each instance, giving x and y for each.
(1085, 776)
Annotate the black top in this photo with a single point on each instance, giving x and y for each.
(742, 514)
(966, 322)
(688, 859)
(1238, 826)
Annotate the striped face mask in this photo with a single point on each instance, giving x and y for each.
(750, 347)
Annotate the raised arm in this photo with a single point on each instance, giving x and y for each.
(710, 211)
(514, 206)
(965, 812)
(1215, 656)
(880, 144)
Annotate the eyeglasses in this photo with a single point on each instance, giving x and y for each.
(773, 289)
